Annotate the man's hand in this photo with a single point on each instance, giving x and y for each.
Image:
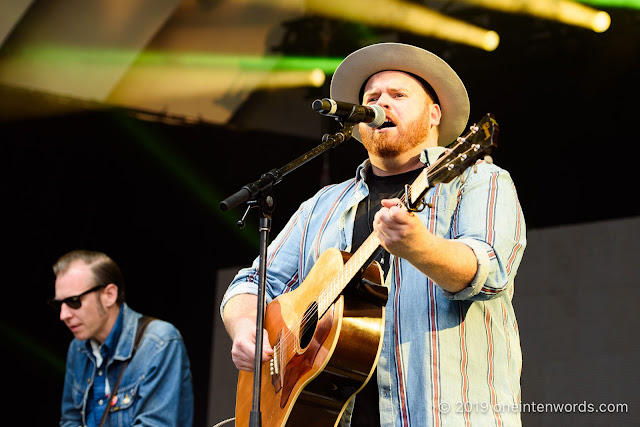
(450, 264)
(244, 344)
(240, 321)
(400, 232)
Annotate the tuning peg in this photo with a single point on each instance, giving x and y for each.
(488, 159)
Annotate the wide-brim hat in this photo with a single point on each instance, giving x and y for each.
(356, 69)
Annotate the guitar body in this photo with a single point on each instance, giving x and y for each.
(319, 363)
(327, 334)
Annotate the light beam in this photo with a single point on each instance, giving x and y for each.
(565, 11)
(405, 16)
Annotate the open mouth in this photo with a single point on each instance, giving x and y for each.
(387, 124)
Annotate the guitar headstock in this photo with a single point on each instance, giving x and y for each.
(465, 151)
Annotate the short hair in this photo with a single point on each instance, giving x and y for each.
(104, 269)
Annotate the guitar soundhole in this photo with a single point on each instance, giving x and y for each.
(308, 326)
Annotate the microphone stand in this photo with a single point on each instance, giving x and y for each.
(259, 194)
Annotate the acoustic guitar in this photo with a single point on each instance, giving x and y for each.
(327, 333)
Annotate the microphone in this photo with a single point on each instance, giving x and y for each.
(373, 115)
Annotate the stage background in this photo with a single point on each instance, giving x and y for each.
(144, 186)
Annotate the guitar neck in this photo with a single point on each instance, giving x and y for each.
(353, 265)
(465, 151)
(370, 246)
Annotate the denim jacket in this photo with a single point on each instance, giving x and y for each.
(447, 358)
(155, 388)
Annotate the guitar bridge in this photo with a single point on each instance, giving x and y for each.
(274, 366)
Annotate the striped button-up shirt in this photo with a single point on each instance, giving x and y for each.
(447, 359)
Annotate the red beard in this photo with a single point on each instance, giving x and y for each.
(387, 145)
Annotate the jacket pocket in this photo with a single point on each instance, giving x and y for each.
(77, 396)
(123, 409)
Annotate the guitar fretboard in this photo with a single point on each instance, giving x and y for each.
(350, 269)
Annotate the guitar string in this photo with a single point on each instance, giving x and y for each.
(330, 290)
(433, 170)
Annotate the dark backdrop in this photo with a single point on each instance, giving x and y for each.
(147, 192)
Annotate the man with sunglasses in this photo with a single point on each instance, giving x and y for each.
(155, 388)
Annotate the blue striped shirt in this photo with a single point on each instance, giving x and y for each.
(447, 359)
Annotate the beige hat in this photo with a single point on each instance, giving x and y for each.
(356, 69)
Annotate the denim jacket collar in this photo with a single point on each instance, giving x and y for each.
(106, 350)
(124, 349)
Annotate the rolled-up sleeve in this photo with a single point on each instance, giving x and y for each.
(282, 264)
(489, 219)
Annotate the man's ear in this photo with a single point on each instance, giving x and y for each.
(110, 295)
(436, 114)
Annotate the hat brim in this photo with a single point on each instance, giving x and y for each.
(356, 69)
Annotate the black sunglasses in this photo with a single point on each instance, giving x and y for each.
(74, 302)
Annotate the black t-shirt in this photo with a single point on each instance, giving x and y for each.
(366, 412)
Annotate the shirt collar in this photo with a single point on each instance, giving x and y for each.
(427, 157)
(107, 348)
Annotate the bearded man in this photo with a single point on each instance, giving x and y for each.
(449, 348)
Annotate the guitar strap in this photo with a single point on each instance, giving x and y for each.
(142, 325)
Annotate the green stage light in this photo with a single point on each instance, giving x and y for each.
(629, 4)
(184, 173)
(243, 62)
(73, 55)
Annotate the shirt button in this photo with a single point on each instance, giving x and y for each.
(100, 373)
(100, 402)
